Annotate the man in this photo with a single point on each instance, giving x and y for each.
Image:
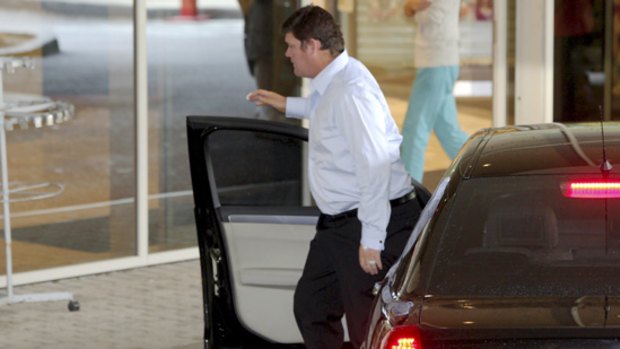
(364, 193)
(432, 106)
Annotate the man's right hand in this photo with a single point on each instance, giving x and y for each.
(264, 97)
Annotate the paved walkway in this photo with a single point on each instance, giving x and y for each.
(153, 307)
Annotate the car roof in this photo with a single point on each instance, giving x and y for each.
(541, 149)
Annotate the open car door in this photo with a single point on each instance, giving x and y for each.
(254, 220)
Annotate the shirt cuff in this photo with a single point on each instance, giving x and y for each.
(296, 107)
(372, 238)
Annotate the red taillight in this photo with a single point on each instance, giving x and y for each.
(403, 337)
(604, 189)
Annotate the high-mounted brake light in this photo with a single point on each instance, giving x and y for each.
(604, 189)
(403, 337)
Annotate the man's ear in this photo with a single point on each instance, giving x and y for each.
(313, 44)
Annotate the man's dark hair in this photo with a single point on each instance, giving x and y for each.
(313, 22)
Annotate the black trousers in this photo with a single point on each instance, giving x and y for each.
(334, 284)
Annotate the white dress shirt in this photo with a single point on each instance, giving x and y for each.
(354, 157)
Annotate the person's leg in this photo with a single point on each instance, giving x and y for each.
(447, 127)
(424, 104)
(355, 285)
(317, 305)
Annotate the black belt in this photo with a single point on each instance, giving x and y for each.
(403, 199)
(353, 213)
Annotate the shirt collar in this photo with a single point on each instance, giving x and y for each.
(322, 80)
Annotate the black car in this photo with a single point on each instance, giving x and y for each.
(255, 219)
(519, 247)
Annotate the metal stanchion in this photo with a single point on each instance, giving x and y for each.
(55, 112)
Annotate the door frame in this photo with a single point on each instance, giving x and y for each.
(533, 90)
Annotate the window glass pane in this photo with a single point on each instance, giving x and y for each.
(612, 57)
(511, 57)
(82, 55)
(197, 66)
(384, 40)
(579, 39)
(252, 169)
(264, 50)
(204, 58)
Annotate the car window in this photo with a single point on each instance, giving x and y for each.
(520, 236)
(253, 168)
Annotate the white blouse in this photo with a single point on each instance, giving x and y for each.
(437, 34)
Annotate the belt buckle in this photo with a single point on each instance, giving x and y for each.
(404, 199)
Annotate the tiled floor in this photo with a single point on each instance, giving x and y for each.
(154, 307)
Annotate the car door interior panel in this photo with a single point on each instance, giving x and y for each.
(267, 261)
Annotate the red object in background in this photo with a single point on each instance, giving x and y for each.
(189, 12)
(189, 8)
(484, 10)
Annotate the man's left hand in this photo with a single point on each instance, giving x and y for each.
(370, 260)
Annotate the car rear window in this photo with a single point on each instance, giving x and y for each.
(520, 236)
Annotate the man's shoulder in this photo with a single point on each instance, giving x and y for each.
(355, 72)
(354, 85)
(355, 64)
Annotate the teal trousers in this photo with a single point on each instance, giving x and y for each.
(432, 107)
